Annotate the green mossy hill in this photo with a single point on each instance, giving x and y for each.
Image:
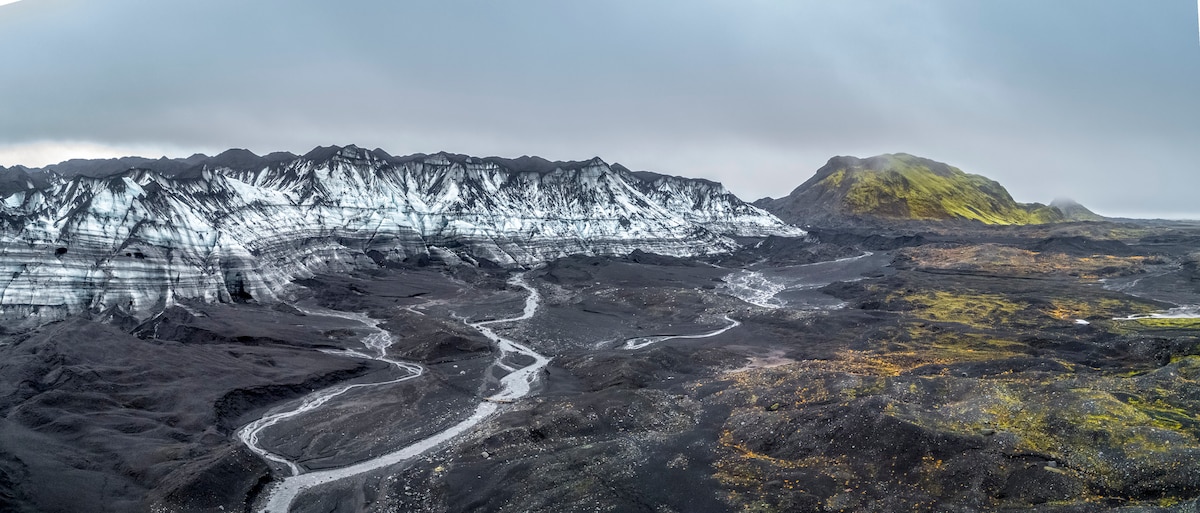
(905, 187)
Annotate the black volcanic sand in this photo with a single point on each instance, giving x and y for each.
(597, 303)
(965, 371)
(979, 390)
(96, 415)
(929, 390)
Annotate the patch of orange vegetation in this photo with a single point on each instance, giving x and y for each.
(1007, 260)
(924, 348)
(746, 453)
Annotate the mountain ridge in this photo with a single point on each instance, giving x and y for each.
(241, 227)
(899, 187)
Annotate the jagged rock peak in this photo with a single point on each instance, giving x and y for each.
(236, 158)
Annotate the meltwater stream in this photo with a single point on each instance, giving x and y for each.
(1179, 312)
(790, 286)
(755, 288)
(1164, 285)
(378, 342)
(516, 384)
(795, 286)
(640, 342)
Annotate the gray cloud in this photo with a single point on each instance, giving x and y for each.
(1090, 99)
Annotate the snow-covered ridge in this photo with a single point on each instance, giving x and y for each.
(239, 226)
(709, 204)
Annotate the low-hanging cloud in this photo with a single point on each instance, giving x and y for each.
(1074, 98)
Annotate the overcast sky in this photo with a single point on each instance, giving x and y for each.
(1098, 100)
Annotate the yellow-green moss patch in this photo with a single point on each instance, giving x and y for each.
(903, 186)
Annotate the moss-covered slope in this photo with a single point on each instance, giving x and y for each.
(904, 187)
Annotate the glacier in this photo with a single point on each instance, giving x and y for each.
(84, 237)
